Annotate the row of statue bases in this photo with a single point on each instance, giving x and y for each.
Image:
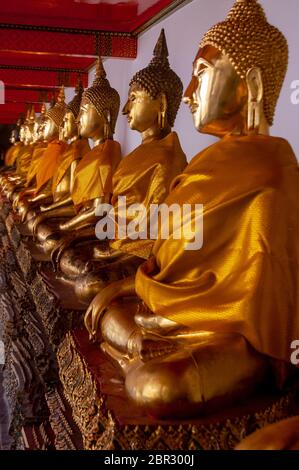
(201, 324)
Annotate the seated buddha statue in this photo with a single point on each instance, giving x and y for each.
(63, 177)
(48, 163)
(143, 176)
(40, 146)
(27, 188)
(13, 151)
(14, 179)
(24, 160)
(92, 175)
(205, 323)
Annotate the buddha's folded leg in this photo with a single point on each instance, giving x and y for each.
(118, 324)
(103, 273)
(198, 377)
(76, 262)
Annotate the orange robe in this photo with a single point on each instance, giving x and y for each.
(12, 154)
(49, 162)
(37, 155)
(75, 151)
(144, 177)
(93, 176)
(24, 160)
(245, 278)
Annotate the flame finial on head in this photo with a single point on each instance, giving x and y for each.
(61, 95)
(161, 51)
(43, 109)
(32, 114)
(100, 71)
(79, 86)
(74, 104)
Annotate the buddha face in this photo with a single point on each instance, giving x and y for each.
(12, 138)
(141, 110)
(216, 95)
(91, 123)
(70, 128)
(28, 134)
(40, 131)
(50, 130)
(22, 133)
(35, 131)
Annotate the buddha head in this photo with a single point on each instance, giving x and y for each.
(19, 128)
(238, 73)
(38, 128)
(54, 118)
(13, 136)
(155, 93)
(70, 126)
(22, 133)
(99, 108)
(29, 126)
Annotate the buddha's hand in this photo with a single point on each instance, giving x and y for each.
(23, 210)
(37, 221)
(61, 246)
(148, 346)
(16, 202)
(44, 208)
(99, 305)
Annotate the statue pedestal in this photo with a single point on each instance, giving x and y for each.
(95, 391)
(64, 393)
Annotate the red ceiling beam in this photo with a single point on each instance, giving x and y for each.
(28, 60)
(16, 39)
(30, 78)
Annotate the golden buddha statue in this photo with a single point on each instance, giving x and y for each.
(13, 151)
(63, 177)
(7, 173)
(92, 175)
(48, 163)
(24, 160)
(15, 179)
(143, 177)
(40, 146)
(200, 325)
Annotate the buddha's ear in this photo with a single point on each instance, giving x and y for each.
(163, 102)
(255, 89)
(163, 111)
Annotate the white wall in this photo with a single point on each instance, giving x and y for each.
(184, 30)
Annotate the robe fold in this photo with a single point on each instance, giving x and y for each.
(75, 151)
(49, 163)
(93, 176)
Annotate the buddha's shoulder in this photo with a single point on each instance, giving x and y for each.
(243, 151)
